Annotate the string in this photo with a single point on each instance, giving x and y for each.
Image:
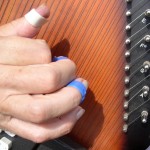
(136, 19)
(134, 96)
(131, 50)
(95, 39)
(136, 6)
(139, 83)
(1, 4)
(139, 106)
(139, 31)
(69, 22)
(11, 10)
(92, 70)
(135, 71)
(133, 63)
(134, 121)
(82, 25)
(57, 20)
(102, 28)
(77, 21)
(65, 18)
(97, 56)
(4, 10)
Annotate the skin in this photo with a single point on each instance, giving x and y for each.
(33, 92)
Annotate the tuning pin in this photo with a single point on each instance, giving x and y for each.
(145, 91)
(144, 116)
(126, 93)
(146, 88)
(128, 13)
(127, 80)
(128, 27)
(128, 41)
(125, 128)
(125, 116)
(127, 54)
(126, 105)
(146, 66)
(147, 13)
(147, 38)
(127, 68)
(128, 1)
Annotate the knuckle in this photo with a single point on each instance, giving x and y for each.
(4, 120)
(73, 65)
(38, 137)
(75, 97)
(45, 55)
(37, 113)
(67, 129)
(52, 79)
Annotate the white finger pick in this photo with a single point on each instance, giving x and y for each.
(35, 19)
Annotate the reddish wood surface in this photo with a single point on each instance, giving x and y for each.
(91, 32)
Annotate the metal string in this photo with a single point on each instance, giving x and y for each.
(139, 106)
(135, 71)
(139, 83)
(133, 121)
(134, 96)
(136, 18)
(131, 49)
(139, 58)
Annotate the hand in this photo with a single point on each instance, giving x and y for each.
(35, 102)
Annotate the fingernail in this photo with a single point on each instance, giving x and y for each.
(85, 82)
(81, 85)
(80, 113)
(59, 58)
(36, 17)
(43, 10)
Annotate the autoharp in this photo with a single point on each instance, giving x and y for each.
(109, 42)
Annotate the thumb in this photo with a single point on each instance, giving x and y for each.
(23, 27)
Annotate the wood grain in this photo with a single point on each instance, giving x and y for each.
(90, 32)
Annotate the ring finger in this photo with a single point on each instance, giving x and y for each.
(41, 108)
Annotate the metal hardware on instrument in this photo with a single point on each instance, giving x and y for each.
(128, 41)
(128, 27)
(127, 80)
(144, 116)
(127, 54)
(125, 116)
(127, 68)
(126, 104)
(126, 93)
(146, 66)
(128, 1)
(145, 91)
(125, 128)
(128, 13)
(147, 12)
(147, 38)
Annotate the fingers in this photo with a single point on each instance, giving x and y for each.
(23, 27)
(37, 79)
(41, 108)
(23, 51)
(45, 131)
